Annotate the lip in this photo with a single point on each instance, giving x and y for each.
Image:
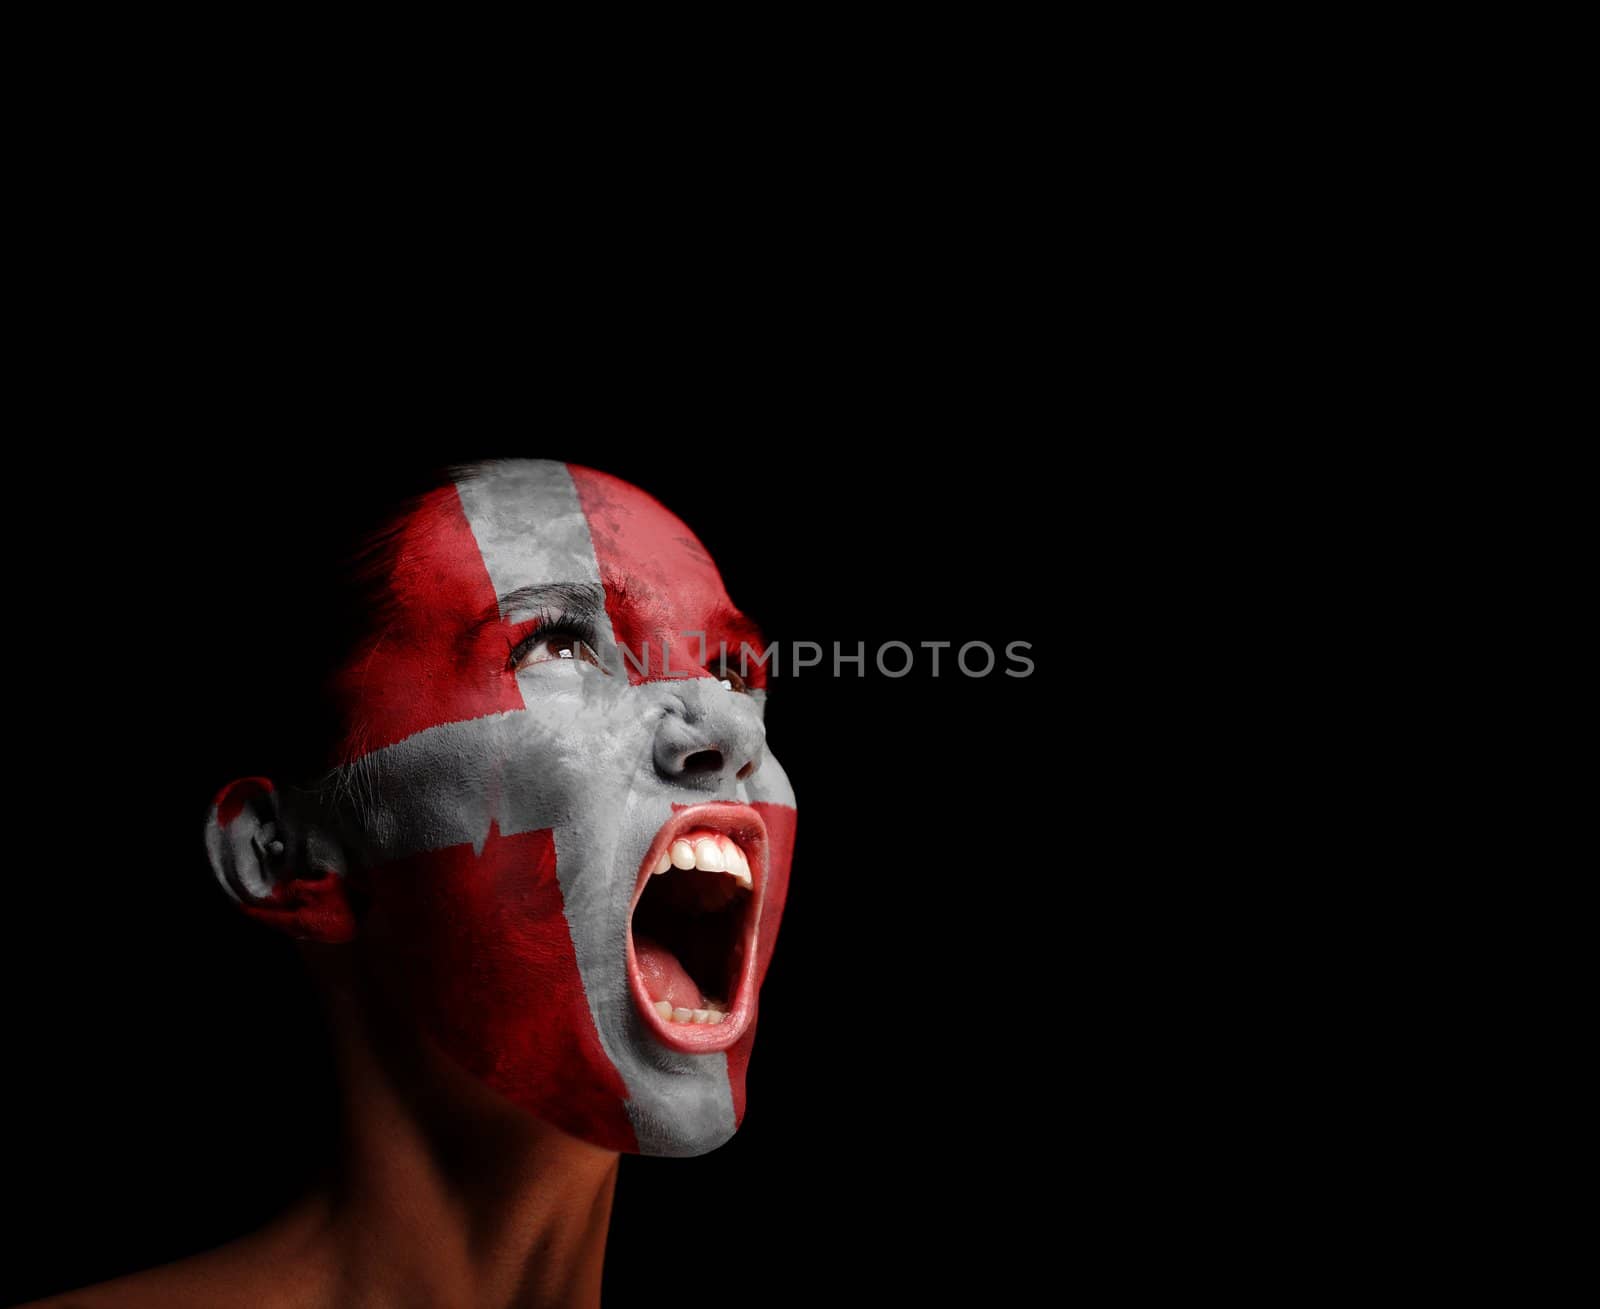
(740, 823)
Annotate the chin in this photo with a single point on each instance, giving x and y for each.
(680, 1104)
(693, 1125)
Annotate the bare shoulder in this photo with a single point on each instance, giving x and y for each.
(172, 1284)
(203, 1280)
(276, 1268)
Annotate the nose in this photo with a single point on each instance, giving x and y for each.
(709, 737)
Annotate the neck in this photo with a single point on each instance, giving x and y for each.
(447, 1194)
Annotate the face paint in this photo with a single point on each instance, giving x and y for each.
(573, 845)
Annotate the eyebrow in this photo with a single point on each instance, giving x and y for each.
(590, 599)
(584, 597)
(565, 595)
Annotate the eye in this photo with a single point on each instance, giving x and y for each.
(729, 676)
(556, 647)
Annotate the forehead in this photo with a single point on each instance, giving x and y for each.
(513, 524)
(454, 577)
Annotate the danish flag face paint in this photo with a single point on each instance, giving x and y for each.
(573, 842)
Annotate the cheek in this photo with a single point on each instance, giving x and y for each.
(517, 772)
(476, 947)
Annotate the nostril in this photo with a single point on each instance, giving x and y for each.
(703, 761)
(746, 770)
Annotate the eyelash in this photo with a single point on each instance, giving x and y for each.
(549, 624)
(559, 622)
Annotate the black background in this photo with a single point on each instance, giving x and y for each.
(925, 1027)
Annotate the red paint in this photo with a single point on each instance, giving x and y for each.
(232, 799)
(659, 582)
(308, 909)
(439, 652)
(780, 853)
(479, 948)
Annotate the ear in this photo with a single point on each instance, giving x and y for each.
(292, 880)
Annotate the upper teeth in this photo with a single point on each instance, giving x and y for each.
(708, 850)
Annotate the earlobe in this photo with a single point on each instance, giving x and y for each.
(270, 870)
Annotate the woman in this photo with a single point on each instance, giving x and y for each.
(538, 879)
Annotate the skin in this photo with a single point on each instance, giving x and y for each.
(463, 882)
(444, 1195)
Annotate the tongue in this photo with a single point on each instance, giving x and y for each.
(664, 977)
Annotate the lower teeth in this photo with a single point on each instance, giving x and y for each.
(705, 1016)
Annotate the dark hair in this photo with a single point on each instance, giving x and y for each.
(308, 556)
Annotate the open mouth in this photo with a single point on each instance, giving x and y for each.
(691, 943)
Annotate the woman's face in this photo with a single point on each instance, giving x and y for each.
(540, 723)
